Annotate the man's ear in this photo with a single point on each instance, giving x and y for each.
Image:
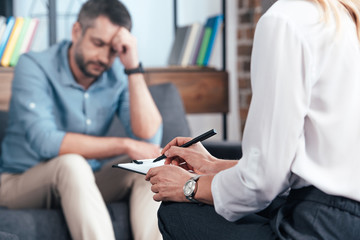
(76, 32)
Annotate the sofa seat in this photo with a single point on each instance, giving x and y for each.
(50, 223)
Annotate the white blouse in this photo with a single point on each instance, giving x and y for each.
(303, 126)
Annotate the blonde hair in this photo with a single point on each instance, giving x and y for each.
(352, 6)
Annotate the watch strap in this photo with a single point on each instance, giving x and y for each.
(191, 198)
(139, 69)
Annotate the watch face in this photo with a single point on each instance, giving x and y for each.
(189, 188)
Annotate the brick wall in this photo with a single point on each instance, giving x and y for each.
(249, 12)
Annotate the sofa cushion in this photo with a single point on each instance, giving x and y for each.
(8, 236)
(31, 224)
(34, 223)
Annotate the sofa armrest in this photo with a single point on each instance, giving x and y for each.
(224, 149)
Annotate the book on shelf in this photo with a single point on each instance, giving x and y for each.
(10, 46)
(215, 27)
(25, 39)
(16, 39)
(204, 42)
(5, 37)
(29, 36)
(194, 43)
(179, 44)
(19, 41)
(190, 44)
(197, 46)
(211, 31)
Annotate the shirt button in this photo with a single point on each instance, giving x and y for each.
(86, 95)
(88, 121)
(32, 105)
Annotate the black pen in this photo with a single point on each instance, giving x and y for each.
(200, 138)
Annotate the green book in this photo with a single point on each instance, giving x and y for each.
(16, 54)
(203, 47)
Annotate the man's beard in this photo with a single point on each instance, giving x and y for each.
(80, 61)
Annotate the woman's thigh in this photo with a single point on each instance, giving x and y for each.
(192, 221)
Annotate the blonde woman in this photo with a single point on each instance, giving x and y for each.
(301, 139)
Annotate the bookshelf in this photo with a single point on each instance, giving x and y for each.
(223, 9)
(220, 76)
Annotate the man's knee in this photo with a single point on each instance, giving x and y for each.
(72, 166)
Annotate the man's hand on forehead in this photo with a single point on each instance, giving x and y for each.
(126, 46)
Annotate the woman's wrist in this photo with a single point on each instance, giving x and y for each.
(203, 192)
(221, 164)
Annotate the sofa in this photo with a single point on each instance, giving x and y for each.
(31, 224)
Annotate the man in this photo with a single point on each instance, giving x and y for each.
(63, 101)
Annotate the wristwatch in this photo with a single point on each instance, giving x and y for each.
(190, 188)
(139, 69)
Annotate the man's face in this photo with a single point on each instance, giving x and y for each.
(93, 48)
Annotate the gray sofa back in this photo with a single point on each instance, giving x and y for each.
(171, 108)
(3, 124)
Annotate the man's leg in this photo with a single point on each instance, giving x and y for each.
(185, 221)
(67, 178)
(115, 184)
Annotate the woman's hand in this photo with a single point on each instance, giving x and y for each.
(194, 158)
(167, 183)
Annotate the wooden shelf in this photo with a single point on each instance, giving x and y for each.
(203, 90)
(180, 69)
(6, 75)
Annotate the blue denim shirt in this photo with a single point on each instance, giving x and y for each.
(47, 102)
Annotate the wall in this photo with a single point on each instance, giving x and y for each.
(249, 13)
(153, 27)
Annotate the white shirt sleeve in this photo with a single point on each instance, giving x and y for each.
(280, 78)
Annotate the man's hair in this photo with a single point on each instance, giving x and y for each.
(112, 9)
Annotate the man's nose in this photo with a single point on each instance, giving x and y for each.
(104, 56)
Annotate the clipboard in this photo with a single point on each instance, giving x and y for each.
(140, 166)
(143, 166)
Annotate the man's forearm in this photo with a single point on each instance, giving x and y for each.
(145, 116)
(93, 147)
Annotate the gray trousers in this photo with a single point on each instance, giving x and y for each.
(306, 214)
